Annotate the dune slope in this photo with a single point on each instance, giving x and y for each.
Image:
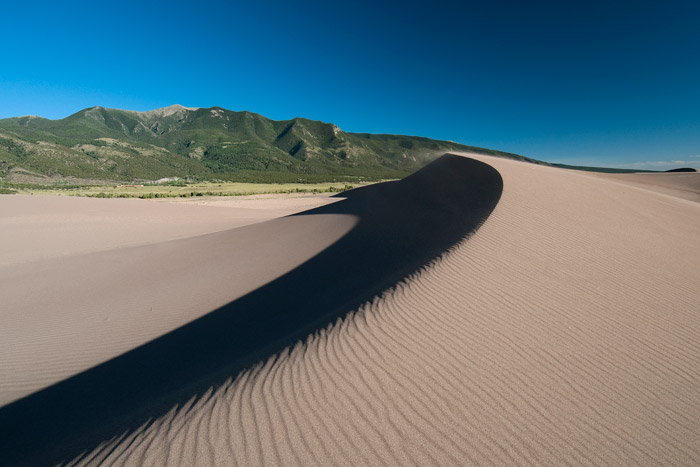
(565, 331)
(684, 185)
(35, 228)
(400, 227)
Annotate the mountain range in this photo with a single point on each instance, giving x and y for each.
(101, 144)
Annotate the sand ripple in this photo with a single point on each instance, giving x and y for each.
(564, 332)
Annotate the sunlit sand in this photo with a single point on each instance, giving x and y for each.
(482, 312)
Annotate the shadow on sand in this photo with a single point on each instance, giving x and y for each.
(402, 226)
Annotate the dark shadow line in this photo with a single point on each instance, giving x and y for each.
(402, 226)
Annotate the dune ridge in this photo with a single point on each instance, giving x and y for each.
(64, 315)
(563, 332)
(401, 226)
(46, 226)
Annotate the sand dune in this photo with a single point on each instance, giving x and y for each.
(385, 245)
(66, 314)
(34, 228)
(684, 185)
(564, 331)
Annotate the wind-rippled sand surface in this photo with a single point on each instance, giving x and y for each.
(566, 331)
(77, 292)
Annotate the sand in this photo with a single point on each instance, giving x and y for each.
(561, 328)
(76, 291)
(34, 227)
(684, 185)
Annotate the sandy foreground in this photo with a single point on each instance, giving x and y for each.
(563, 330)
(83, 280)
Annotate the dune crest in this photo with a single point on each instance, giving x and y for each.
(564, 331)
(400, 227)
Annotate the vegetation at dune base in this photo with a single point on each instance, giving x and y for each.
(181, 190)
(99, 146)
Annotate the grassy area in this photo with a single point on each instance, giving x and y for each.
(186, 190)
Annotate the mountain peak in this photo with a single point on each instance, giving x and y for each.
(167, 111)
(101, 143)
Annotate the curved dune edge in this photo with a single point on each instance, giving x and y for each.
(401, 226)
(564, 332)
(66, 315)
(57, 226)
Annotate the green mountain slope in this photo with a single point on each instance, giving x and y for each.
(205, 144)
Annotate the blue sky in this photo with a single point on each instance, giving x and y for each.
(596, 83)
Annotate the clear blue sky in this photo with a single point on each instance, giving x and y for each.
(604, 83)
